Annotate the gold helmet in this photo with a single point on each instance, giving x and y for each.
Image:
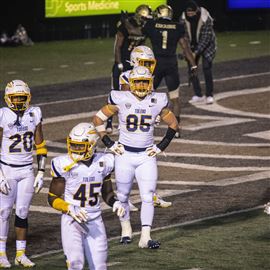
(81, 142)
(143, 12)
(143, 56)
(164, 11)
(140, 81)
(17, 95)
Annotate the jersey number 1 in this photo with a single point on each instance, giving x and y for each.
(164, 39)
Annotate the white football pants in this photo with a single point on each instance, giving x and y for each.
(144, 169)
(77, 242)
(21, 182)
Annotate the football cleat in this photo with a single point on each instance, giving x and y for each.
(132, 207)
(24, 261)
(4, 263)
(151, 244)
(159, 202)
(125, 240)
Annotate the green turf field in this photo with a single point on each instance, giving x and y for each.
(68, 61)
(237, 242)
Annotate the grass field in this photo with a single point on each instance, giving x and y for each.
(68, 61)
(237, 242)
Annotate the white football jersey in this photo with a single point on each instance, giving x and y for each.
(137, 117)
(83, 184)
(18, 140)
(124, 78)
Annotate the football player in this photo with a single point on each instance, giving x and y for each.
(135, 151)
(21, 130)
(165, 35)
(142, 56)
(78, 178)
(124, 44)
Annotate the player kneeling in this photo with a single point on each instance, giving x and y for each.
(80, 176)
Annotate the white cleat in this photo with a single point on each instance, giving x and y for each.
(159, 202)
(196, 99)
(132, 207)
(24, 261)
(267, 208)
(4, 263)
(209, 100)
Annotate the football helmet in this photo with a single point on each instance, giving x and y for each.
(143, 56)
(140, 81)
(81, 142)
(164, 12)
(142, 12)
(17, 95)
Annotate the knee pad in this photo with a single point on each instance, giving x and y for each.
(123, 198)
(147, 197)
(21, 222)
(5, 213)
(22, 212)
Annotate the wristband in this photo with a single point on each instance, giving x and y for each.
(107, 141)
(193, 67)
(167, 139)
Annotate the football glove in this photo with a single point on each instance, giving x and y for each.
(77, 213)
(152, 151)
(38, 184)
(117, 148)
(119, 209)
(4, 186)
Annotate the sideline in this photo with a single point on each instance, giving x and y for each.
(181, 224)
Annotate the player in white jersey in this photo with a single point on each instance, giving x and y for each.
(135, 150)
(79, 177)
(142, 56)
(21, 129)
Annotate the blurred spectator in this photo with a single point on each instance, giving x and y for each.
(20, 37)
(200, 33)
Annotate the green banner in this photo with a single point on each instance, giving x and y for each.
(77, 8)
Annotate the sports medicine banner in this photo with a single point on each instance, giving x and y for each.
(77, 8)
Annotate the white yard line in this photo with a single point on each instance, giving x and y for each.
(218, 108)
(212, 168)
(161, 88)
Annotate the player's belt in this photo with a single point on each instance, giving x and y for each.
(15, 165)
(134, 149)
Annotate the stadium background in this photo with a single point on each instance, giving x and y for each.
(218, 167)
(31, 14)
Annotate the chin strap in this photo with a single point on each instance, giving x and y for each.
(70, 166)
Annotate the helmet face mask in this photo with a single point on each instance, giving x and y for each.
(140, 81)
(17, 95)
(164, 11)
(143, 56)
(81, 142)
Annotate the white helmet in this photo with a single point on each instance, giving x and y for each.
(143, 56)
(17, 95)
(140, 81)
(81, 142)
